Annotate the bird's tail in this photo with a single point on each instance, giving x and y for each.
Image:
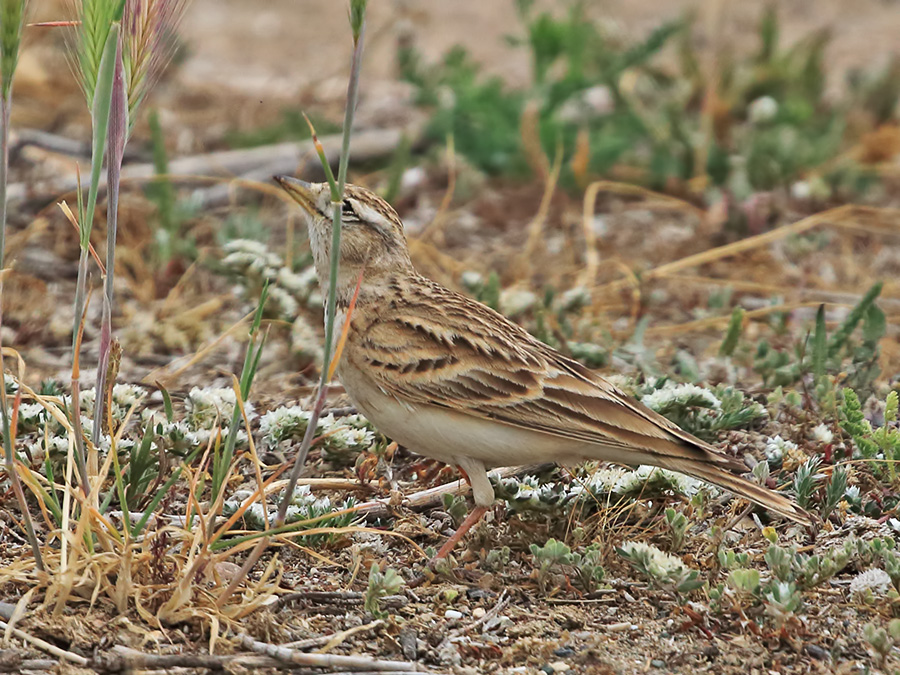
(742, 487)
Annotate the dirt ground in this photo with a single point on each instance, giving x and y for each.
(247, 60)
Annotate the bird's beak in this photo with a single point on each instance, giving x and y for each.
(300, 191)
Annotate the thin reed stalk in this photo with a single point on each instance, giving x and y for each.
(12, 21)
(117, 135)
(358, 26)
(101, 106)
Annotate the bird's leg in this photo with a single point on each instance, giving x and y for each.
(480, 484)
(474, 516)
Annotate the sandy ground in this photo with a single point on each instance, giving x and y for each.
(283, 46)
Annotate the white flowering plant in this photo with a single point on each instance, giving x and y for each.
(342, 438)
(666, 571)
(304, 505)
(703, 412)
(253, 264)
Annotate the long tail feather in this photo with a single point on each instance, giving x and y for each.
(742, 487)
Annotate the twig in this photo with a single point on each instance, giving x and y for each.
(123, 658)
(46, 646)
(336, 598)
(380, 508)
(502, 602)
(351, 663)
(16, 665)
(275, 159)
(329, 642)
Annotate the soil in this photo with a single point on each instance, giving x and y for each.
(245, 62)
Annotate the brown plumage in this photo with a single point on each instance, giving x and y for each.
(452, 379)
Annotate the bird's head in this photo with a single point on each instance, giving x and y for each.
(372, 238)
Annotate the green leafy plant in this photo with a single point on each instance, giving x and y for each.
(677, 524)
(381, 584)
(806, 479)
(555, 557)
(829, 354)
(883, 442)
(665, 571)
(882, 641)
(553, 554)
(171, 212)
(222, 461)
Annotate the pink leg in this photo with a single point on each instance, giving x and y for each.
(476, 514)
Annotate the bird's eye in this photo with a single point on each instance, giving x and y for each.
(347, 212)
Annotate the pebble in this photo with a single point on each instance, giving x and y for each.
(658, 663)
(453, 614)
(564, 652)
(817, 652)
(558, 667)
(478, 612)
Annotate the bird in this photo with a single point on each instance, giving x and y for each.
(449, 378)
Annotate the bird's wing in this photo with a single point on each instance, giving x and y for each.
(436, 347)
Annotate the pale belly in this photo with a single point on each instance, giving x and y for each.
(447, 436)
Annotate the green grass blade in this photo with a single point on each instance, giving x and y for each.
(102, 104)
(819, 351)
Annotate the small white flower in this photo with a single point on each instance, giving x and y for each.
(777, 447)
(762, 109)
(634, 481)
(299, 283)
(605, 480)
(801, 190)
(822, 434)
(281, 423)
(255, 515)
(515, 301)
(619, 381)
(57, 445)
(86, 399)
(353, 438)
(31, 413)
(287, 304)
(875, 580)
(658, 564)
(305, 342)
(126, 395)
(471, 280)
(574, 299)
(252, 256)
(683, 394)
(205, 407)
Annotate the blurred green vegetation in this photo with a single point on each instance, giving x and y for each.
(760, 122)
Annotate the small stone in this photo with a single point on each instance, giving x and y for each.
(559, 667)
(564, 652)
(453, 615)
(658, 663)
(478, 612)
(409, 643)
(817, 652)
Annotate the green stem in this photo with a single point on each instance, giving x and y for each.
(331, 304)
(116, 132)
(8, 450)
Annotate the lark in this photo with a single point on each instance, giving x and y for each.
(449, 378)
